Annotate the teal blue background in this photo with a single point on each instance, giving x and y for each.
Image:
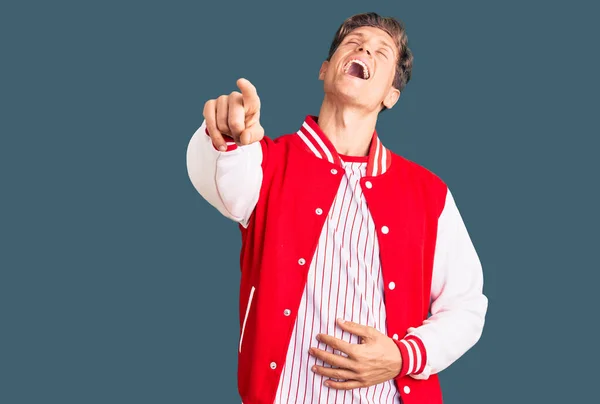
(119, 283)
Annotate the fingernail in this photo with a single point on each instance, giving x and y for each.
(341, 320)
(223, 147)
(314, 368)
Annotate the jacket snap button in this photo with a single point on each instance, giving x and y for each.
(392, 285)
(319, 211)
(406, 389)
(385, 230)
(333, 171)
(287, 312)
(368, 184)
(301, 261)
(395, 336)
(274, 365)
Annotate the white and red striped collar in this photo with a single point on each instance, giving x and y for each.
(319, 144)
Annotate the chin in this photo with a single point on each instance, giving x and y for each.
(347, 89)
(349, 84)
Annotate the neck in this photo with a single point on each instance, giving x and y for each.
(348, 128)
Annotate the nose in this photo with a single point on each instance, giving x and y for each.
(362, 47)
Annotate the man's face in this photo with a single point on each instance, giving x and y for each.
(367, 82)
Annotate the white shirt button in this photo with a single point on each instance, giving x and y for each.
(274, 365)
(385, 230)
(287, 312)
(333, 171)
(301, 261)
(319, 211)
(392, 285)
(368, 184)
(406, 389)
(395, 336)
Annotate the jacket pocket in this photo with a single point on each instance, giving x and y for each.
(246, 316)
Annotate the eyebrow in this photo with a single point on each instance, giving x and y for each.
(360, 34)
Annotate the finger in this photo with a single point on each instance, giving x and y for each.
(236, 119)
(211, 124)
(250, 96)
(332, 359)
(336, 343)
(252, 134)
(357, 329)
(336, 373)
(348, 385)
(222, 114)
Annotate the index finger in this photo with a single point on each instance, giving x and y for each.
(249, 96)
(336, 343)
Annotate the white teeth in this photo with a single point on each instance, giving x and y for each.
(360, 62)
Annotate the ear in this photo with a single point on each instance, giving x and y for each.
(323, 70)
(391, 98)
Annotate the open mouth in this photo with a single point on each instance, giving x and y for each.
(357, 68)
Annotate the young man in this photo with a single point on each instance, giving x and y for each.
(336, 227)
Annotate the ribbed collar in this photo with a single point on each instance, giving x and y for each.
(319, 144)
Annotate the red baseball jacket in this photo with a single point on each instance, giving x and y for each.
(280, 192)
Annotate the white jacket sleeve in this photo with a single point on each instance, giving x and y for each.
(458, 305)
(229, 180)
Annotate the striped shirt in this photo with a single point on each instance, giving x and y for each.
(344, 280)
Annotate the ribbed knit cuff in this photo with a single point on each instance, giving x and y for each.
(414, 356)
(230, 143)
